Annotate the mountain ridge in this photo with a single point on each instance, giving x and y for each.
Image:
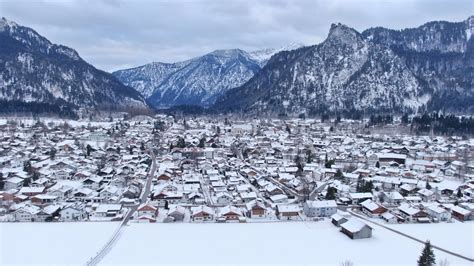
(376, 70)
(197, 81)
(34, 70)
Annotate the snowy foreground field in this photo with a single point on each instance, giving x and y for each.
(295, 243)
(52, 243)
(292, 243)
(457, 237)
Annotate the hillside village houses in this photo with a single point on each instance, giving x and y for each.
(217, 169)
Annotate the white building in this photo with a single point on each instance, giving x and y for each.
(324, 208)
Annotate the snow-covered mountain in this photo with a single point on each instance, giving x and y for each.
(262, 56)
(377, 70)
(198, 81)
(37, 75)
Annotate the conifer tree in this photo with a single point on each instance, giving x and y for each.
(427, 257)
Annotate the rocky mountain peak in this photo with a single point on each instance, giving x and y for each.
(342, 34)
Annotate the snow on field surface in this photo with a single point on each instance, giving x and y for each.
(290, 243)
(52, 243)
(456, 237)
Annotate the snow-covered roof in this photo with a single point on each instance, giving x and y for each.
(360, 195)
(353, 225)
(321, 203)
(460, 210)
(370, 205)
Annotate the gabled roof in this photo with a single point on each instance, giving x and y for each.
(353, 225)
(370, 205)
(202, 208)
(146, 207)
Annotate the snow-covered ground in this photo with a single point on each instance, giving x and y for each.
(52, 243)
(456, 237)
(290, 243)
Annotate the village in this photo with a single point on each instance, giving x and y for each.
(166, 169)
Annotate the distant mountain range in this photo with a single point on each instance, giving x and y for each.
(430, 67)
(379, 70)
(39, 76)
(198, 81)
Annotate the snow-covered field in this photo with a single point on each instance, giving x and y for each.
(52, 243)
(289, 243)
(456, 237)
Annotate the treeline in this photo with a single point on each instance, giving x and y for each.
(442, 124)
(18, 107)
(380, 120)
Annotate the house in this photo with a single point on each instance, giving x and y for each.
(146, 218)
(202, 213)
(462, 214)
(223, 198)
(426, 194)
(288, 212)
(413, 199)
(279, 198)
(389, 217)
(272, 190)
(72, 213)
(13, 183)
(92, 182)
(388, 158)
(108, 210)
(338, 219)
(406, 189)
(359, 197)
(248, 196)
(323, 208)
(229, 213)
(412, 214)
(43, 199)
(26, 213)
(439, 213)
(164, 177)
(109, 191)
(392, 197)
(146, 209)
(371, 208)
(177, 212)
(356, 229)
(256, 209)
(32, 191)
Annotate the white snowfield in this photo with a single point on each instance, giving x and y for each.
(447, 235)
(287, 243)
(52, 243)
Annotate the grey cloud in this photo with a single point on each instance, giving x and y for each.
(114, 34)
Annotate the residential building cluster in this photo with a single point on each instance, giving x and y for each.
(218, 170)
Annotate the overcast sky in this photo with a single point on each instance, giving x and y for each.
(115, 34)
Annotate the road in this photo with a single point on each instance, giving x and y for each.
(94, 260)
(411, 237)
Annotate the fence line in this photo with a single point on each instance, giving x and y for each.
(106, 248)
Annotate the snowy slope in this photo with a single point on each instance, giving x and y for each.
(262, 56)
